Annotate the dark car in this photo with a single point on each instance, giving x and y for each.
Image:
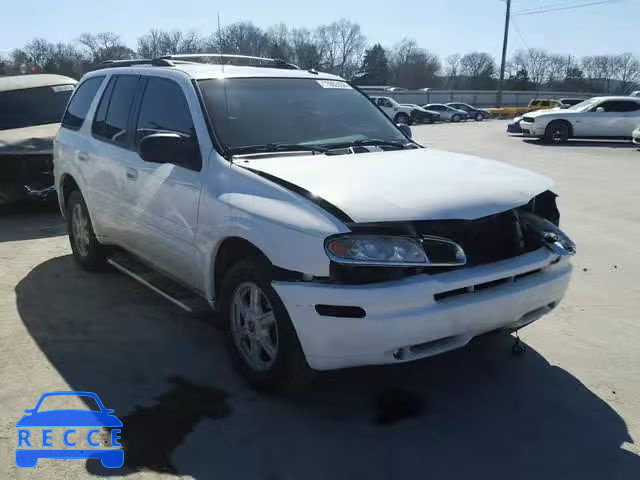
(421, 115)
(31, 108)
(472, 112)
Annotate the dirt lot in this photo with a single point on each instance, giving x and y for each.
(568, 409)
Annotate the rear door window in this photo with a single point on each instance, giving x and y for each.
(80, 103)
(112, 116)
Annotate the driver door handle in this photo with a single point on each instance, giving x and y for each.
(132, 174)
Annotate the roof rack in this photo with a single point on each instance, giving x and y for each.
(156, 62)
(229, 59)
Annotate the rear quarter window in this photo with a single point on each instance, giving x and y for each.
(80, 103)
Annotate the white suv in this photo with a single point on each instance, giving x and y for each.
(320, 232)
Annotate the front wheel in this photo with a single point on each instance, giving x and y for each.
(456, 118)
(263, 341)
(479, 117)
(557, 133)
(402, 118)
(87, 251)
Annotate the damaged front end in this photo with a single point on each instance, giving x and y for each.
(484, 240)
(26, 176)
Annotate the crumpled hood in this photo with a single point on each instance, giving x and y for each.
(28, 140)
(421, 184)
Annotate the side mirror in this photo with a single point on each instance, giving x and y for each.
(599, 109)
(406, 129)
(172, 148)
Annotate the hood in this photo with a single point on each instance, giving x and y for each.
(550, 111)
(28, 140)
(420, 184)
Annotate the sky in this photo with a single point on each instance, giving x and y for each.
(442, 26)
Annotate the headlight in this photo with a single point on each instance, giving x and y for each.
(554, 239)
(389, 251)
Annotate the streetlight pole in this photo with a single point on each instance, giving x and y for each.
(504, 54)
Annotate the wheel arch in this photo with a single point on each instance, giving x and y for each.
(67, 185)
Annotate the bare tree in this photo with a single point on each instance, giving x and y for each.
(412, 66)
(626, 71)
(305, 50)
(452, 69)
(159, 42)
(105, 46)
(535, 62)
(242, 38)
(341, 45)
(479, 67)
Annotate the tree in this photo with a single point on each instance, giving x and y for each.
(452, 69)
(240, 38)
(626, 71)
(105, 46)
(479, 67)
(412, 66)
(375, 66)
(156, 43)
(305, 50)
(341, 45)
(536, 63)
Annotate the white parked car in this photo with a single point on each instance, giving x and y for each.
(323, 236)
(598, 117)
(398, 113)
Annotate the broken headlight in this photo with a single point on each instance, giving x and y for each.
(390, 251)
(553, 238)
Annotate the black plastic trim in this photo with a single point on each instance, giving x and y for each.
(341, 311)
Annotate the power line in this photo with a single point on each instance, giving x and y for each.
(517, 27)
(557, 8)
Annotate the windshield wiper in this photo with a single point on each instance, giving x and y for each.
(369, 142)
(275, 147)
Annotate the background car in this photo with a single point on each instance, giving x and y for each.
(475, 113)
(393, 109)
(421, 115)
(569, 102)
(446, 112)
(598, 117)
(31, 107)
(635, 136)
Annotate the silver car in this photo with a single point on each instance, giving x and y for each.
(446, 112)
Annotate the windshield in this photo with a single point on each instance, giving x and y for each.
(33, 106)
(263, 111)
(582, 106)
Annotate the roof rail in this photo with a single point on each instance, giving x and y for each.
(229, 59)
(156, 62)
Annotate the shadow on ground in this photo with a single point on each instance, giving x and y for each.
(477, 412)
(30, 220)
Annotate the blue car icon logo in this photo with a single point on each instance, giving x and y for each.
(30, 425)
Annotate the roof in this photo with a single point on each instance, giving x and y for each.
(618, 97)
(19, 82)
(200, 71)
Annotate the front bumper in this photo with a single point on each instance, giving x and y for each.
(405, 322)
(531, 129)
(514, 127)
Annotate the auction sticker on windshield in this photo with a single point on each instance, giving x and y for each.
(333, 84)
(46, 432)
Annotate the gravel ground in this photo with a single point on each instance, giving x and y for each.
(568, 409)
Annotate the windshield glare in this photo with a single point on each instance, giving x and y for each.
(262, 111)
(33, 106)
(582, 106)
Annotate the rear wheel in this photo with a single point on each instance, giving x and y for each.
(557, 132)
(402, 118)
(456, 118)
(87, 251)
(263, 341)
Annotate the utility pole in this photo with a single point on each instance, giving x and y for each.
(504, 54)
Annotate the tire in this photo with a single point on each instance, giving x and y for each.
(87, 251)
(456, 118)
(479, 117)
(402, 118)
(557, 132)
(428, 120)
(251, 341)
